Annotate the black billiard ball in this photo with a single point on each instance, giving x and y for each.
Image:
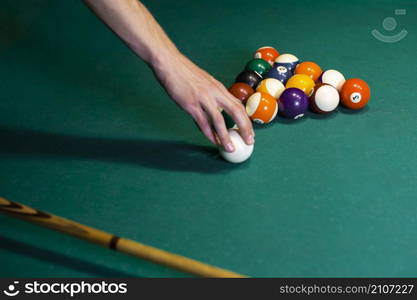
(251, 78)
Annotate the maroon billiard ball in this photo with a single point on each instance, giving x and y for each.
(241, 91)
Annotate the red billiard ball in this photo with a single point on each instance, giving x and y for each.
(241, 91)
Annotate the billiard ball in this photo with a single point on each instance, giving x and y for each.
(241, 91)
(293, 103)
(242, 151)
(288, 60)
(261, 108)
(267, 53)
(325, 98)
(258, 65)
(279, 72)
(333, 77)
(302, 82)
(310, 69)
(251, 78)
(271, 86)
(355, 93)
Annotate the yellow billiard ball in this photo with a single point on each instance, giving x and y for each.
(302, 82)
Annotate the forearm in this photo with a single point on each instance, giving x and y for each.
(193, 89)
(133, 23)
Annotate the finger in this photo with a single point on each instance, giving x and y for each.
(202, 120)
(220, 127)
(238, 112)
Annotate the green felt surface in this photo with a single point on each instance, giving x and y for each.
(88, 134)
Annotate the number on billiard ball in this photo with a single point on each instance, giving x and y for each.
(355, 93)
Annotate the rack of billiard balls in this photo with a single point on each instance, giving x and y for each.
(273, 83)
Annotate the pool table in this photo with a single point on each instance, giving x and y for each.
(87, 133)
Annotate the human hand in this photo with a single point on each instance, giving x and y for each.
(193, 89)
(203, 97)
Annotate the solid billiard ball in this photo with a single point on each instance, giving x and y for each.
(332, 77)
(293, 103)
(261, 108)
(242, 150)
(251, 78)
(280, 72)
(241, 91)
(288, 60)
(267, 53)
(310, 69)
(355, 93)
(302, 82)
(271, 86)
(325, 98)
(258, 65)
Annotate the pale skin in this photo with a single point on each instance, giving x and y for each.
(192, 88)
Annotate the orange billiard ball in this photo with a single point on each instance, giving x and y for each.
(261, 108)
(310, 69)
(267, 53)
(355, 93)
(271, 86)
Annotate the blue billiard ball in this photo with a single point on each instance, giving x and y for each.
(279, 71)
(288, 60)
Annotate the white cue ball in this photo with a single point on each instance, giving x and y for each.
(242, 151)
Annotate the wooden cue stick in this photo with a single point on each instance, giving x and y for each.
(114, 242)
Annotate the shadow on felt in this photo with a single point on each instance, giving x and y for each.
(59, 259)
(155, 154)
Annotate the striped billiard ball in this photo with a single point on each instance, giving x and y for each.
(267, 53)
(271, 86)
(258, 65)
(332, 77)
(261, 108)
(288, 60)
(324, 99)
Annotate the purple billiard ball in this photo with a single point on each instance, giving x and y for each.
(293, 103)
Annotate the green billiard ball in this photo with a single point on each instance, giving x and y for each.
(258, 65)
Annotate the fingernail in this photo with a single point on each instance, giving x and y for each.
(230, 148)
(250, 140)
